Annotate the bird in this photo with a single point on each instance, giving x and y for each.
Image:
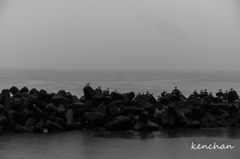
(88, 84)
(147, 93)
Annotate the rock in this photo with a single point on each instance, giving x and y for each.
(14, 90)
(146, 105)
(34, 92)
(41, 104)
(123, 123)
(88, 92)
(101, 129)
(203, 94)
(198, 112)
(129, 95)
(134, 110)
(165, 121)
(172, 97)
(57, 100)
(53, 126)
(52, 116)
(236, 114)
(82, 99)
(61, 110)
(208, 120)
(68, 95)
(217, 100)
(60, 121)
(220, 94)
(118, 102)
(75, 99)
(21, 129)
(70, 121)
(107, 100)
(37, 111)
(182, 104)
(225, 115)
(218, 106)
(25, 94)
(4, 111)
(91, 116)
(194, 124)
(232, 121)
(193, 97)
(6, 98)
(27, 103)
(118, 96)
(151, 126)
(24, 89)
(133, 103)
(38, 127)
(221, 122)
(42, 94)
(29, 124)
(164, 100)
(151, 99)
(17, 95)
(173, 109)
(113, 109)
(98, 97)
(219, 111)
(61, 93)
(172, 117)
(159, 105)
(101, 110)
(206, 100)
(16, 103)
(232, 96)
(139, 126)
(233, 107)
(26, 113)
(122, 109)
(3, 120)
(50, 108)
(186, 111)
(143, 117)
(182, 120)
(14, 115)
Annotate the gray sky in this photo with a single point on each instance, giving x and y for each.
(135, 34)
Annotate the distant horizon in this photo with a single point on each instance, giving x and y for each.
(113, 69)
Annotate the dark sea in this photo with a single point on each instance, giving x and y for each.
(162, 144)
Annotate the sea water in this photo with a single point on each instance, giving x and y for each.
(162, 144)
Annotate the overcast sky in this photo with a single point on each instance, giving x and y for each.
(134, 34)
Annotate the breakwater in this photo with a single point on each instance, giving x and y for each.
(23, 110)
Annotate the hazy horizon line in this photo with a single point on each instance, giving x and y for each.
(113, 69)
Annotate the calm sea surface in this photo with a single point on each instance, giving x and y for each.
(163, 144)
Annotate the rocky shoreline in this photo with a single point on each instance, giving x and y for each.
(25, 111)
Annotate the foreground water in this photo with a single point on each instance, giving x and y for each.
(163, 144)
